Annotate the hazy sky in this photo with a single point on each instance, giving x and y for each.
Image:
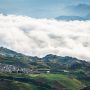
(38, 8)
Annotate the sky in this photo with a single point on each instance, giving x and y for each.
(30, 27)
(38, 8)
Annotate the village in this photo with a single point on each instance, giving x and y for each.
(16, 69)
(6, 68)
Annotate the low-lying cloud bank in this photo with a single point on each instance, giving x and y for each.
(43, 36)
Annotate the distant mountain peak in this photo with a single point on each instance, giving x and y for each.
(67, 18)
(81, 9)
(83, 5)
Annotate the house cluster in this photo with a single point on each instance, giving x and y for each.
(15, 69)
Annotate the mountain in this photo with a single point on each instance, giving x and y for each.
(21, 72)
(76, 12)
(8, 53)
(68, 18)
(13, 58)
(80, 9)
(64, 62)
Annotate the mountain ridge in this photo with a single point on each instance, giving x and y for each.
(11, 53)
(8, 56)
(67, 18)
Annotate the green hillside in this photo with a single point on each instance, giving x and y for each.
(14, 85)
(65, 81)
(39, 82)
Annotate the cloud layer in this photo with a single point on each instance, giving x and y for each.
(44, 36)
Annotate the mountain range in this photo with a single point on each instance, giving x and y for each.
(79, 9)
(21, 72)
(67, 18)
(8, 56)
(76, 12)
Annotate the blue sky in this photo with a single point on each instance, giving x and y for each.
(38, 8)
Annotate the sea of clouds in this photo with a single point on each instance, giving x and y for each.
(39, 37)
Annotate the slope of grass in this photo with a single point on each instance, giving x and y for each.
(69, 83)
(39, 82)
(14, 85)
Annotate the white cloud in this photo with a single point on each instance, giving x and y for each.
(43, 36)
